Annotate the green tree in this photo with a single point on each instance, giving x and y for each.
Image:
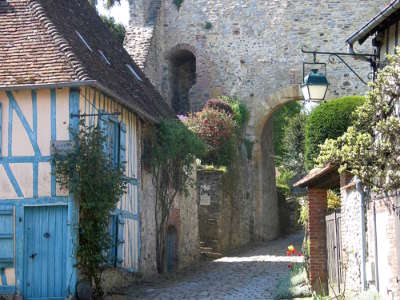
(117, 29)
(281, 118)
(294, 144)
(109, 3)
(370, 148)
(328, 121)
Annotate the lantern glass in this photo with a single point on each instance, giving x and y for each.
(315, 86)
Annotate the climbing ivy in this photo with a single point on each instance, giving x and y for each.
(171, 156)
(97, 185)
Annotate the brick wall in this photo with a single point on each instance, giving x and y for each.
(317, 203)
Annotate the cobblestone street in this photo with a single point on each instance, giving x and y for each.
(250, 274)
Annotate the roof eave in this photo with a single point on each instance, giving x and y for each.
(77, 84)
(370, 28)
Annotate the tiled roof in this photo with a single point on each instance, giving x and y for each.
(39, 45)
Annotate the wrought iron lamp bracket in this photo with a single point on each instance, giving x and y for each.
(370, 58)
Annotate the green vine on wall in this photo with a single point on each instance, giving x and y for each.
(171, 158)
(97, 185)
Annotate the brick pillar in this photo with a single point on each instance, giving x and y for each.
(317, 205)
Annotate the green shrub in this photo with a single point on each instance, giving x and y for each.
(329, 120)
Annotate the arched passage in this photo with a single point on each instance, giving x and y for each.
(266, 219)
(182, 78)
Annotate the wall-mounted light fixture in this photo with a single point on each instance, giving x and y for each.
(315, 83)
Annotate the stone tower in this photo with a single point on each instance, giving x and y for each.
(249, 49)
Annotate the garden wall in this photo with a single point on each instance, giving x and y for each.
(225, 217)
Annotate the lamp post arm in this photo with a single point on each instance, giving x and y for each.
(350, 68)
(371, 58)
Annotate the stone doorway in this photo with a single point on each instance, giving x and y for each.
(182, 79)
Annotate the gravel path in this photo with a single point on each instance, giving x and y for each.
(250, 274)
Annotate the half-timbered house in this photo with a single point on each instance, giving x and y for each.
(59, 63)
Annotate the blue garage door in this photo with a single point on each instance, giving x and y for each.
(45, 252)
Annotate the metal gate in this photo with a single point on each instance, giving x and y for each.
(172, 249)
(45, 252)
(334, 250)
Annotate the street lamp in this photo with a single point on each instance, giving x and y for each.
(315, 86)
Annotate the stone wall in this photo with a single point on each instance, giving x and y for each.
(226, 217)
(188, 240)
(252, 51)
(351, 231)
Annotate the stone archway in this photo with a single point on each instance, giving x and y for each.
(266, 220)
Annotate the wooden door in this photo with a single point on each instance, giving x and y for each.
(45, 252)
(172, 249)
(334, 250)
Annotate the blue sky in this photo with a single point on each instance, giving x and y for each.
(119, 12)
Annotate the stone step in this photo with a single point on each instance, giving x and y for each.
(211, 254)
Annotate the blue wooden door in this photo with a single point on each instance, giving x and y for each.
(45, 252)
(172, 251)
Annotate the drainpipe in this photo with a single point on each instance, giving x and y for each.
(360, 190)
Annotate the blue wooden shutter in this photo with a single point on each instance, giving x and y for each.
(6, 243)
(121, 220)
(122, 144)
(121, 240)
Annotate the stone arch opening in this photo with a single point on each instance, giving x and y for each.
(182, 79)
(266, 222)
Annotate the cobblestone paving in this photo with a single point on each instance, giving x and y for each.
(251, 274)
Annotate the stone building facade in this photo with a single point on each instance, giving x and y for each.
(249, 49)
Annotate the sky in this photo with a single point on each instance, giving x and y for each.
(119, 12)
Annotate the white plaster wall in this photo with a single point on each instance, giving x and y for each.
(21, 144)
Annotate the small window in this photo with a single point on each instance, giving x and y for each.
(104, 57)
(132, 70)
(83, 40)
